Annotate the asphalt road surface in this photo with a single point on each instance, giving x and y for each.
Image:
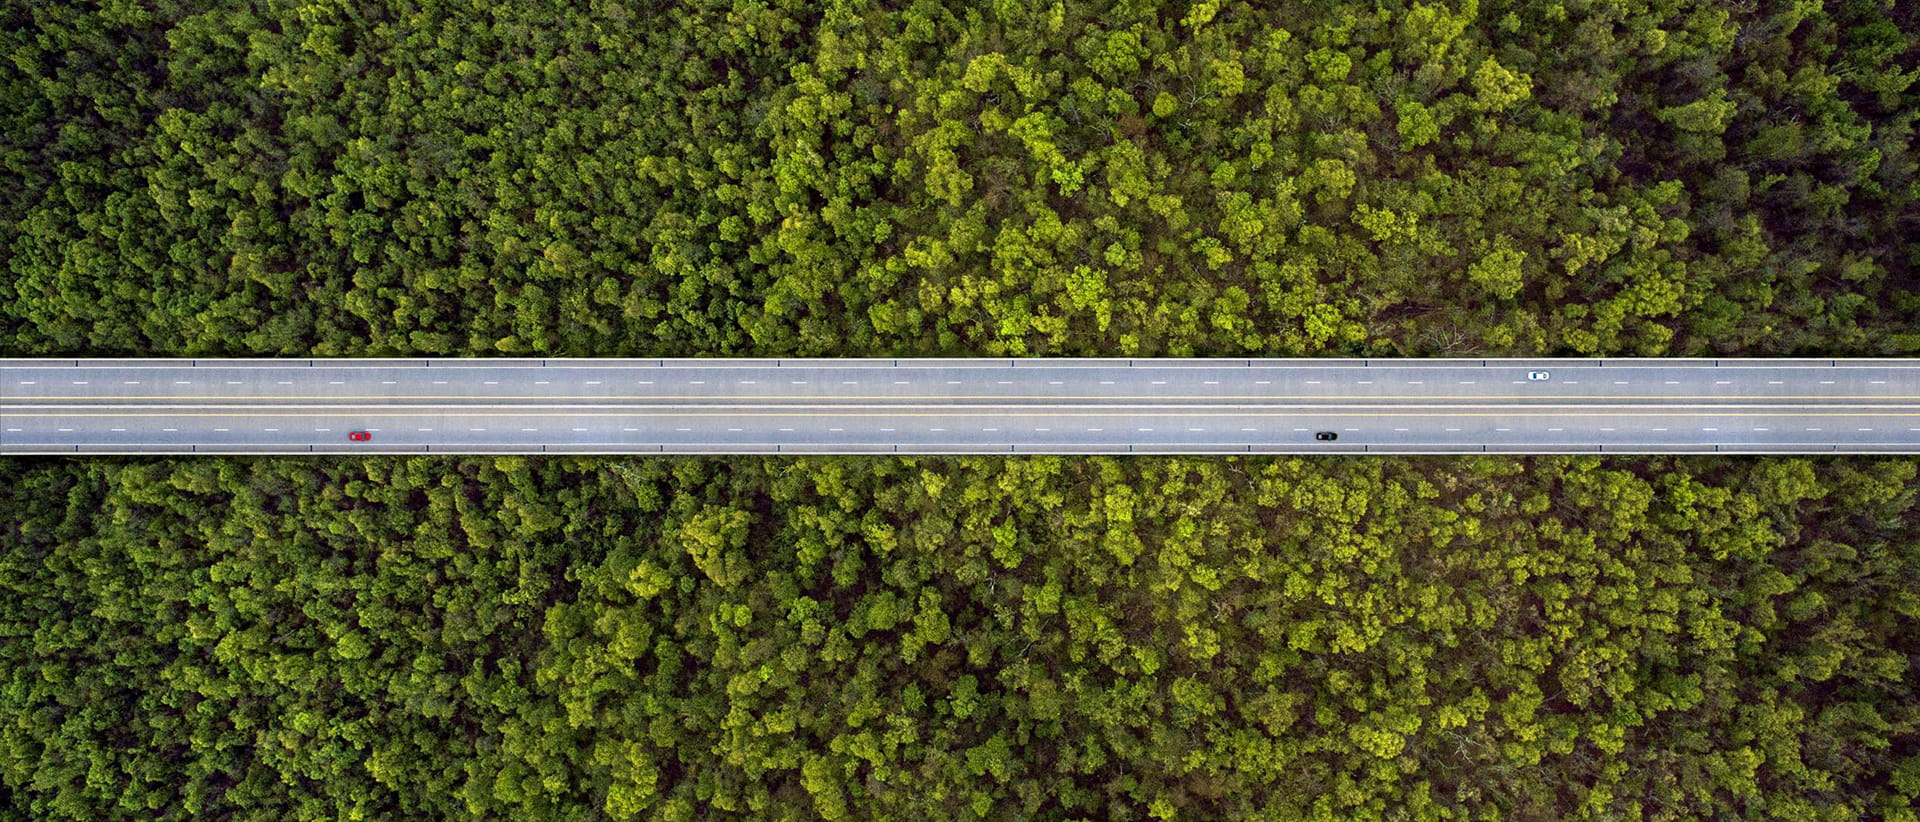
(925, 406)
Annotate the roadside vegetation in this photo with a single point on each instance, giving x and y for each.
(1036, 638)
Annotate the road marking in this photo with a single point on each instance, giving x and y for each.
(1826, 382)
(541, 382)
(476, 429)
(1556, 429)
(1775, 382)
(1569, 382)
(1096, 429)
(1656, 429)
(429, 429)
(645, 382)
(1813, 429)
(336, 382)
(1102, 382)
(275, 430)
(323, 429)
(1517, 382)
(130, 382)
(1049, 382)
(382, 382)
(1263, 382)
(1619, 382)
(1723, 382)
(493, 382)
(989, 429)
(789, 429)
(69, 429)
(1213, 382)
(697, 382)
(1296, 429)
(439, 382)
(1399, 429)
(1364, 382)
(1010, 382)
(900, 382)
(830, 429)
(579, 429)
(849, 382)
(597, 382)
(1673, 382)
(1762, 429)
(883, 429)
(29, 382)
(1878, 382)
(169, 429)
(1143, 429)
(229, 382)
(683, 429)
(1503, 429)
(1250, 429)
(1313, 382)
(1468, 382)
(13, 429)
(216, 429)
(1865, 429)
(529, 429)
(83, 382)
(1453, 429)
(1709, 429)
(1196, 429)
(799, 382)
(123, 429)
(1416, 382)
(742, 382)
(1043, 429)
(930, 429)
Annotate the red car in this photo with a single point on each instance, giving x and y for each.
(359, 436)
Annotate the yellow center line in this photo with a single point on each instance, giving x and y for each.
(963, 413)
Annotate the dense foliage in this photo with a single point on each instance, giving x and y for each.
(971, 638)
(1015, 177)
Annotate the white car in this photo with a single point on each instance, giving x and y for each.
(1537, 376)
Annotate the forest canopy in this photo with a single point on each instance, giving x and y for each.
(990, 638)
(1022, 177)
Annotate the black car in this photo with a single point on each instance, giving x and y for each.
(1325, 436)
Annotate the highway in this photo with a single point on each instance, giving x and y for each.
(959, 406)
